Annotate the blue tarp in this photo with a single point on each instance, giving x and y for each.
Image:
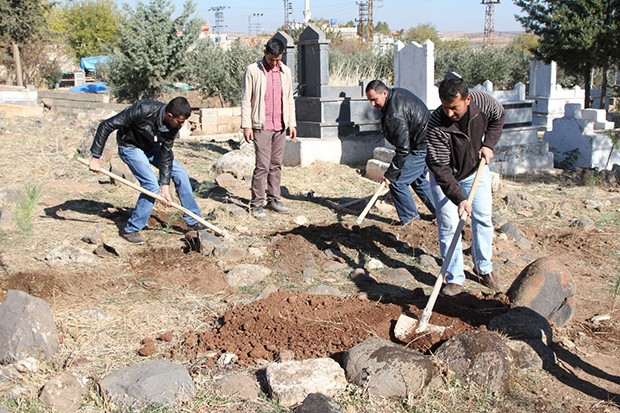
(98, 87)
(90, 63)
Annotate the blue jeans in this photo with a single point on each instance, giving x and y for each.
(413, 173)
(481, 226)
(140, 163)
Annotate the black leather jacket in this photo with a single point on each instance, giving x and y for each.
(403, 123)
(142, 126)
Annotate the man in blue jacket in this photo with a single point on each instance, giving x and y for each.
(145, 135)
(403, 123)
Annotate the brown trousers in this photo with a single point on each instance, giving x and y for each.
(269, 147)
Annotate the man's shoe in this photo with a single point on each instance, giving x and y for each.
(277, 206)
(258, 212)
(197, 227)
(490, 280)
(134, 238)
(451, 289)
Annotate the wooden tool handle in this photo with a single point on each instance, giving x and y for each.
(160, 198)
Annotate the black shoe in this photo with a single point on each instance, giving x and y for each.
(277, 206)
(197, 227)
(134, 238)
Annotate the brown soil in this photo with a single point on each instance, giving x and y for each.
(163, 288)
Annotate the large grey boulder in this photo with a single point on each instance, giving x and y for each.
(236, 163)
(158, 382)
(387, 369)
(545, 286)
(531, 336)
(478, 356)
(27, 328)
(292, 381)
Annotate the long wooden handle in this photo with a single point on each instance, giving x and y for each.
(160, 198)
(426, 314)
(370, 204)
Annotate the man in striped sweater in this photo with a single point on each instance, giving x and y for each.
(464, 129)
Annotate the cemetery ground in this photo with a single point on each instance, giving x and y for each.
(179, 302)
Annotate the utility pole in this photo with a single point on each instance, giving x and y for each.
(288, 11)
(366, 20)
(362, 21)
(219, 18)
(489, 20)
(256, 26)
(307, 12)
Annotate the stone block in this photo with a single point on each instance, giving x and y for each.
(383, 154)
(375, 169)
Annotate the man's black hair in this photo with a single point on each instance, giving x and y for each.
(376, 85)
(179, 106)
(274, 47)
(450, 88)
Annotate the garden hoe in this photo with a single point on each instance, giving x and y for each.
(370, 204)
(405, 324)
(161, 198)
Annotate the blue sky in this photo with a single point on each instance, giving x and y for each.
(445, 15)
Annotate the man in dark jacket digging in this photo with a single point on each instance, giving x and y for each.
(403, 122)
(145, 135)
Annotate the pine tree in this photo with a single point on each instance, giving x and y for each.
(20, 21)
(153, 50)
(580, 35)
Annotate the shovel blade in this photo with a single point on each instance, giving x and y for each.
(405, 325)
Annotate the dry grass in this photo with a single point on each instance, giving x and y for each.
(41, 153)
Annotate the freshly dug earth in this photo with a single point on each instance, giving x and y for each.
(169, 293)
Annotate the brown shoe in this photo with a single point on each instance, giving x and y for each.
(490, 280)
(451, 289)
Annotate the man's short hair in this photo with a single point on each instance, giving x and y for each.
(450, 88)
(179, 106)
(376, 85)
(274, 47)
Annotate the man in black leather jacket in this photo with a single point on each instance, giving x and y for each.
(145, 135)
(403, 122)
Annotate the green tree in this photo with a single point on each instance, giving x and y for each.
(420, 34)
(21, 21)
(218, 72)
(153, 51)
(504, 66)
(580, 35)
(90, 27)
(382, 28)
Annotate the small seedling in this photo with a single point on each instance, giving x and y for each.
(24, 210)
(167, 228)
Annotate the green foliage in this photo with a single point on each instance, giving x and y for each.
(90, 27)
(504, 66)
(20, 20)
(24, 209)
(349, 66)
(154, 50)
(580, 35)
(218, 72)
(420, 34)
(382, 28)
